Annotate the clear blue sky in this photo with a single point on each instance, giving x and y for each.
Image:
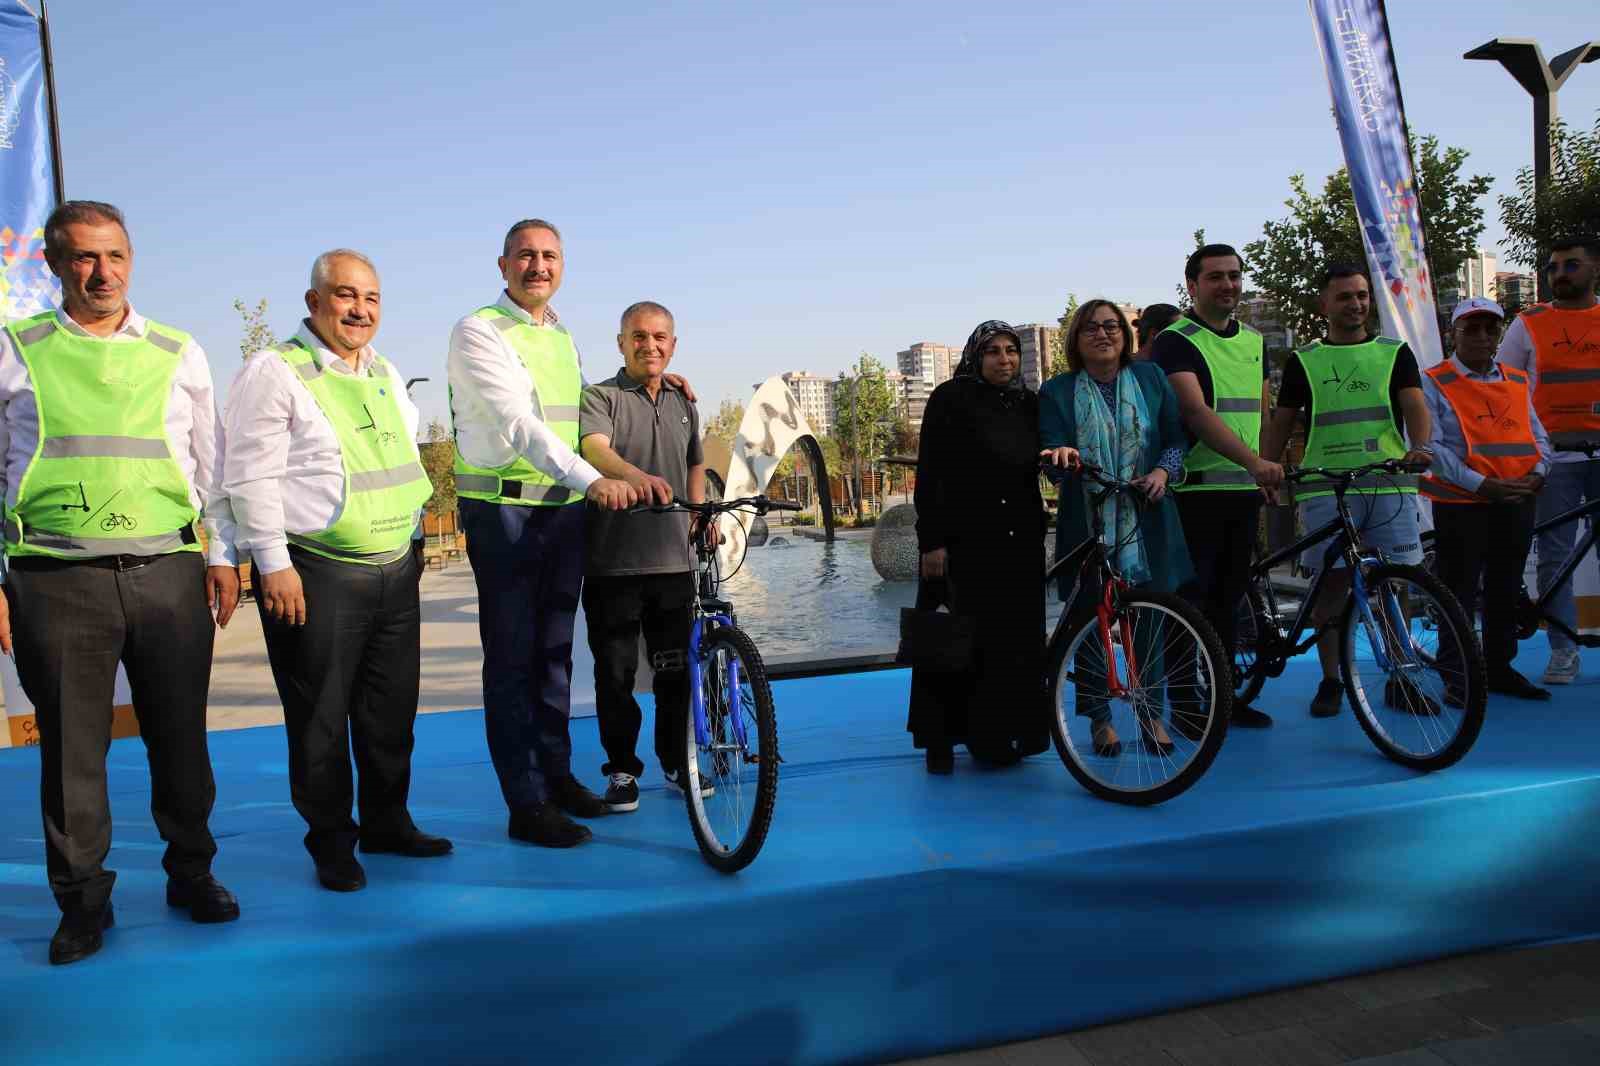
(799, 183)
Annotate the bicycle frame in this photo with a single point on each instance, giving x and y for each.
(697, 699)
(1090, 554)
(1570, 565)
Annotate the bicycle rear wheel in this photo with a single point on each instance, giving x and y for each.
(731, 824)
(1414, 673)
(1176, 661)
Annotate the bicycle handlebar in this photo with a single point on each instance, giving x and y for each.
(760, 504)
(1097, 474)
(1386, 466)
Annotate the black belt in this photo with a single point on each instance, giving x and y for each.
(99, 562)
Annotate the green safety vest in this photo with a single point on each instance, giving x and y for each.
(384, 482)
(1235, 365)
(1352, 423)
(102, 479)
(552, 364)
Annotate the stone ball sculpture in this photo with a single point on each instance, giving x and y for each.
(894, 544)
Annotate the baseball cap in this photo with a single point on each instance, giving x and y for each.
(1477, 305)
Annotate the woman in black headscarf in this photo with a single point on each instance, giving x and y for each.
(980, 529)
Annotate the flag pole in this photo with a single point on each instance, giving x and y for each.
(50, 98)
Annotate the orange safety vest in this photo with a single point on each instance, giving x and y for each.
(1494, 423)
(1566, 346)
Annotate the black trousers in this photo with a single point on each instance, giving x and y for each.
(1486, 542)
(528, 565)
(72, 622)
(348, 678)
(618, 610)
(1221, 528)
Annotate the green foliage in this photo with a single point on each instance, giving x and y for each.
(801, 518)
(724, 425)
(1323, 227)
(257, 334)
(1058, 343)
(438, 459)
(1571, 200)
(865, 409)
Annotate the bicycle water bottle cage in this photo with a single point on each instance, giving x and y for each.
(716, 605)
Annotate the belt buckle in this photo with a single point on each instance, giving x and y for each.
(130, 562)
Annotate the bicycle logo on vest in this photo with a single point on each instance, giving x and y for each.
(1341, 383)
(384, 436)
(1498, 418)
(111, 521)
(1582, 344)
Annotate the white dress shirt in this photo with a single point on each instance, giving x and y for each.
(491, 399)
(285, 470)
(194, 431)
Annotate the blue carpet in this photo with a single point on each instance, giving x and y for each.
(891, 914)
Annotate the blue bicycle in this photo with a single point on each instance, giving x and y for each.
(732, 734)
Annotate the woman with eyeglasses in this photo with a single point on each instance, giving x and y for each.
(1121, 416)
(980, 531)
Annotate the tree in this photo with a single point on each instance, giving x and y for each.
(1570, 202)
(1058, 341)
(1323, 228)
(438, 459)
(257, 334)
(724, 425)
(865, 408)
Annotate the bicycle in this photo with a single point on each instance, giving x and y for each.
(1118, 655)
(732, 735)
(1431, 704)
(1532, 613)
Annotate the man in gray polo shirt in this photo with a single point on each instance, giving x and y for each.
(639, 574)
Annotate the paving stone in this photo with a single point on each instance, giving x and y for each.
(1412, 983)
(1293, 1045)
(1515, 1006)
(1567, 1044)
(1106, 1044)
(1274, 1010)
(1051, 1051)
(1415, 1057)
(1398, 1028)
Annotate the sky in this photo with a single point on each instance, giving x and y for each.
(798, 183)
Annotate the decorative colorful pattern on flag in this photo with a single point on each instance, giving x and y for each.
(27, 166)
(1354, 36)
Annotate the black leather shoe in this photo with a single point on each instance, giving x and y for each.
(80, 934)
(570, 795)
(1508, 682)
(1329, 699)
(203, 897)
(414, 845)
(341, 874)
(1103, 738)
(546, 826)
(941, 760)
(1402, 694)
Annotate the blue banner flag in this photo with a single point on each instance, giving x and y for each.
(1354, 35)
(27, 165)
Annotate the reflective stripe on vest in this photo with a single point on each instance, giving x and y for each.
(1493, 417)
(1566, 347)
(1352, 423)
(548, 355)
(102, 479)
(384, 482)
(1235, 364)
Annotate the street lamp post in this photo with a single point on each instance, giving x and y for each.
(1524, 60)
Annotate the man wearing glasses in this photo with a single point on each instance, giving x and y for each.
(1558, 345)
(327, 488)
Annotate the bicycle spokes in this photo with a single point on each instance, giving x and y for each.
(1108, 617)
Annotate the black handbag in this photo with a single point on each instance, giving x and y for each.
(941, 641)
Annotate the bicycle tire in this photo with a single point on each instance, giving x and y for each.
(1447, 611)
(1083, 624)
(732, 856)
(1249, 674)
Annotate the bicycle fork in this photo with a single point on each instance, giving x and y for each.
(1406, 647)
(1105, 615)
(697, 699)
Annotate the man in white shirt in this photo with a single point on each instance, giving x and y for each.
(104, 565)
(327, 488)
(515, 387)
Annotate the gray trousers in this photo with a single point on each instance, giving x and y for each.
(1567, 485)
(72, 622)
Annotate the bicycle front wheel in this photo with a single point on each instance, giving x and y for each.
(1412, 668)
(1158, 655)
(733, 779)
(1251, 628)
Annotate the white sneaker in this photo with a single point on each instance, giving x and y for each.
(674, 779)
(1563, 668)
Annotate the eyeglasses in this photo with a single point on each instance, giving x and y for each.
(1108, 328)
